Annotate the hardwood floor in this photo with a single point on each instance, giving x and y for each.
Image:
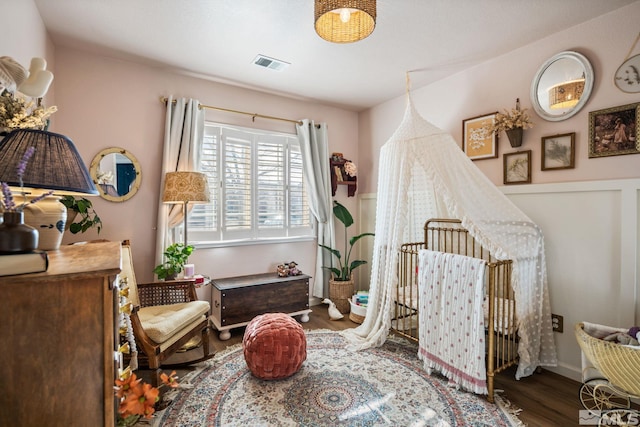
(545, 398)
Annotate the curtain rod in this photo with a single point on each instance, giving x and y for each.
(164, 100)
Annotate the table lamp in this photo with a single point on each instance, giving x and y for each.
(185, 187)
(55, 165)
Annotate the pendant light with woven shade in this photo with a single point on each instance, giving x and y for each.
(345, 21)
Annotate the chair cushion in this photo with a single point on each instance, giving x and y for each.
(161, 322)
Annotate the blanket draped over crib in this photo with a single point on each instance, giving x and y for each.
(451, 329)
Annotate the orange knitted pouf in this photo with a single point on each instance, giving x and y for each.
(274, 346)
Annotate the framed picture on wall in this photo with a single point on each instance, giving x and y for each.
(558, 151)
(517, 167)
(614, 131)
(478, 142)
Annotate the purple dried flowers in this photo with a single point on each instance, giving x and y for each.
(7, 203)
(22, 166)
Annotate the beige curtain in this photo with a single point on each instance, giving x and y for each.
(184, 127)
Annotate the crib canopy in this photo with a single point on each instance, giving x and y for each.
(424, 174)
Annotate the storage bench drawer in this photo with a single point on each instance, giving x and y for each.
(237, 300)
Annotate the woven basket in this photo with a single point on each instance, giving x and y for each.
(619, 364)
(274, 346)
(357, 313)
(340, 293)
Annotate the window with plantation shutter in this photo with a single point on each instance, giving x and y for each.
(257, 190)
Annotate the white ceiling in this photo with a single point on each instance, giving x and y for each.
(219, 39)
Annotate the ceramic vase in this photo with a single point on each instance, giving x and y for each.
(515, 136)
(48, 216)
(15, 236)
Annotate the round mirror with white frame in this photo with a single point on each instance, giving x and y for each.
(116, 173)
(562, 86)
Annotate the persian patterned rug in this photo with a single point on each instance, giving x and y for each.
(384, 386)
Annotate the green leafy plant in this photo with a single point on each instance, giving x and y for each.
(84, 208)
(176, 256)
(345, 269)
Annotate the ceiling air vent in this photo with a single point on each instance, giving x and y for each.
(271, 63)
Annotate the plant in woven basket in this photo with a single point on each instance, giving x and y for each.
(345, 267)
(175, 256)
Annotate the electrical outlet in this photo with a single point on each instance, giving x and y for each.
(557, 322)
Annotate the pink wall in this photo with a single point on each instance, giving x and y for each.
(495, 85)
(23, 36)
(105, 102)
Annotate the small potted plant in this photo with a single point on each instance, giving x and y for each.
(88, 216)
(176, 256)
(341, 285)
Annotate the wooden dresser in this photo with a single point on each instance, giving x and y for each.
(58, 340)
(237, 300)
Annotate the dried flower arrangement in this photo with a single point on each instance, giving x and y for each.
(350, 168)
(136, 398)
(516, 118)
(18, 113)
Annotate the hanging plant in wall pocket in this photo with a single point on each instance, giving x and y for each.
(513, 123)
(515, 136)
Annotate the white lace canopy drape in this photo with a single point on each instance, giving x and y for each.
(424, 174)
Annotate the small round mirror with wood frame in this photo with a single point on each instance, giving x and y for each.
(562, 86)
(116, 173)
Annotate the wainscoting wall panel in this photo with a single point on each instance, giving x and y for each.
(592, 247)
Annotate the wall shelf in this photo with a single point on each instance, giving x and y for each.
(340, 177)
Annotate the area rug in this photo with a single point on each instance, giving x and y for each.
(383, 386)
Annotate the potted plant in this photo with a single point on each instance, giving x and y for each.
(88, 216)
(176, 256)
(341, 283)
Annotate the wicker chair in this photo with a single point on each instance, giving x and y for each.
(165, 316)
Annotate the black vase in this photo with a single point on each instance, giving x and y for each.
(15, 236)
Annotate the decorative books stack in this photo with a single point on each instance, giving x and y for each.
(30, 262)
(361, 298)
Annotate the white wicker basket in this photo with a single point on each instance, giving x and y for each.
(357, 313)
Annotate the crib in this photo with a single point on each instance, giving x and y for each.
(448, 235)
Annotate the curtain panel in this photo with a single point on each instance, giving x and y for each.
(183, 131)
(314, 146)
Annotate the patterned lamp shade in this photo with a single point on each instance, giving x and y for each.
(345, 21)
(181, 187)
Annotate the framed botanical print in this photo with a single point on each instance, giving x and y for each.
(558, 151)
(614, 131)
(478, 141)
(517, 167)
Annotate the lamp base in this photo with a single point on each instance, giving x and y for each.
(48, 216)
